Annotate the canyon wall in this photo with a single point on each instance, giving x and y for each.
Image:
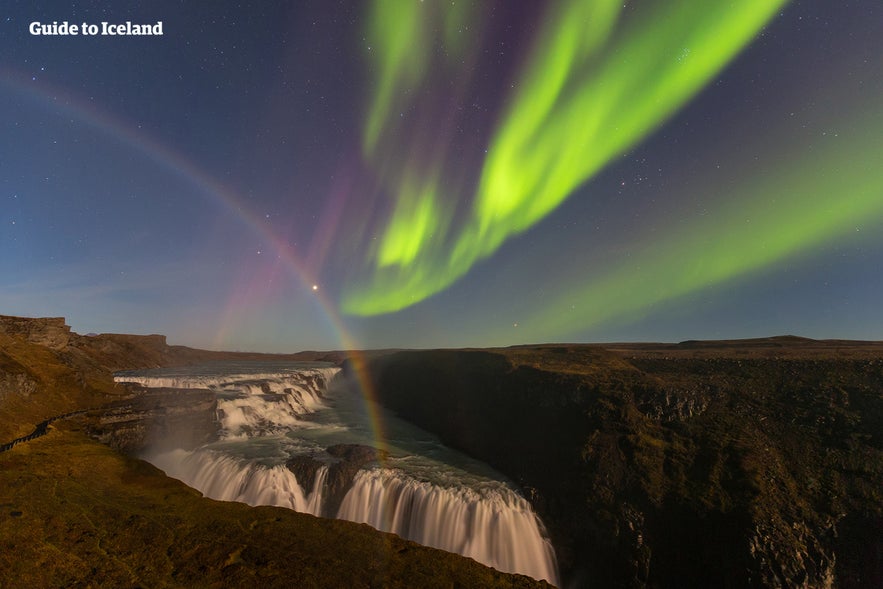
(727, 467)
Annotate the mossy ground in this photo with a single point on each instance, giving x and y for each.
(73, 513)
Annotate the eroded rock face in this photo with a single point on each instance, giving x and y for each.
(16, 384)
(343, 461)
(158, 419)
(791, 556)
(51, 332)
(675, 403)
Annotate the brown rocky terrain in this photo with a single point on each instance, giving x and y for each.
(754, 463)
(76, 513)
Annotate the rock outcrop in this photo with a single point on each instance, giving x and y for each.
(157, 419)
(343, 461)
(51, 332)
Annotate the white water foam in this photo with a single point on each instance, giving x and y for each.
(493, 525)
(215, 380)
(253, 404)
(225, 478)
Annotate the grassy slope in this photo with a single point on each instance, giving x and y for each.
(37, 383)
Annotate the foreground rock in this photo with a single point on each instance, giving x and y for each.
(743, 464)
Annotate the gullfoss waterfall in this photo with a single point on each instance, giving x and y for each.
(298, 436)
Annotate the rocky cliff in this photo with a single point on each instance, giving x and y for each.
(51, 332)
(741, 464)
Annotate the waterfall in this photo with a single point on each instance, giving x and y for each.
(252, 404)
(493, 525)
(315, 379)
(253, 414)
(424, 492)
(225, 478)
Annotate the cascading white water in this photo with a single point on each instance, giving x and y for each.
(259, 413)
(226, 478)
(425, 492)
(493, 525)
(252, 404)
(187, 379)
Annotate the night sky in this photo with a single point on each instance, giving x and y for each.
(281, 176)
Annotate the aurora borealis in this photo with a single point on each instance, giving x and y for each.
(447, 173)
(585, 96)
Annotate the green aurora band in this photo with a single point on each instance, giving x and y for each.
(825, 192)
(401, 36)
(594, 86)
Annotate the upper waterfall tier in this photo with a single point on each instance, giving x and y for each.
(251, 403)
(314, 378)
